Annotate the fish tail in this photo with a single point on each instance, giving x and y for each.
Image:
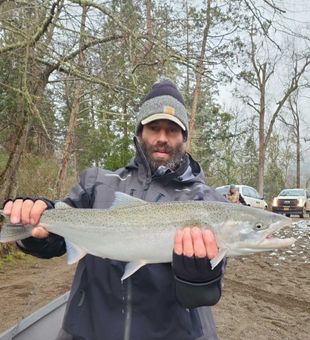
(14, 232)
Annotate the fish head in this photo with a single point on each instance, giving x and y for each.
(250, 230)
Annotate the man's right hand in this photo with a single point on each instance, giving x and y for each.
(27, 212)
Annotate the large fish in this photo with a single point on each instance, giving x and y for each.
(140, 232)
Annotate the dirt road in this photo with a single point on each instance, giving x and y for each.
(265, 296)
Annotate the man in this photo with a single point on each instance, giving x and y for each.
(159, 301)
(234, 196)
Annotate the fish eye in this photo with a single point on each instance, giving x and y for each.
(259, 226)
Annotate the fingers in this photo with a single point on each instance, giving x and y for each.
(16, 211)
(198, 242)
(7, 208)
(210, 244)
(188, 248)
(37, 211)
(25, 212)
(178, 242)
(195, 242)
(39, 232)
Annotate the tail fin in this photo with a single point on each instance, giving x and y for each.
(13, 232)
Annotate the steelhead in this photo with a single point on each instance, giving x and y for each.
(140, 232)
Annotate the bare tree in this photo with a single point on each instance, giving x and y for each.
(295, 128)
(75, 110)
(33, 81)
(199, 74)
(258, 78)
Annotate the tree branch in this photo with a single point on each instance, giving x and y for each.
(36, 36)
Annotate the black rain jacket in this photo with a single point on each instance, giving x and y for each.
(145, 306)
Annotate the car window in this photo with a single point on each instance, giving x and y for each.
(257, 195)
(292, 192)
(246, 191)
(253, 193)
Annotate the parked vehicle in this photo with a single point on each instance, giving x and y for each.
(251, 197)
(292, 202)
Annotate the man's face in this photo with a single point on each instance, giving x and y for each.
(163, 144)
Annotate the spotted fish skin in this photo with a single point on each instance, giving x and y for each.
(140, 232)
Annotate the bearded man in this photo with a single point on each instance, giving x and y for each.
(159, 301)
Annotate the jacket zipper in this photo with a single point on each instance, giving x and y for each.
(128, 315)
(128, 292)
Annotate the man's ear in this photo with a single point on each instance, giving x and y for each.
(139, 131)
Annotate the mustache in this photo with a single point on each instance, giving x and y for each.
(161, 148)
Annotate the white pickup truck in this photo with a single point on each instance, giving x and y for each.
(292, 202)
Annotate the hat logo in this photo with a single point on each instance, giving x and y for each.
(170, 110)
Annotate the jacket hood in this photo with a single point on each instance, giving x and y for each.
(189, 170)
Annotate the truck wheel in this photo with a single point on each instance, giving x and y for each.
(288, 215)
(304, 213)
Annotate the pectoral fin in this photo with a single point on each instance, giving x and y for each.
(218, 258)
(132, 267)
(74, 252)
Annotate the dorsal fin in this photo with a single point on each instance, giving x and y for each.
(122, 200)
(62, 205)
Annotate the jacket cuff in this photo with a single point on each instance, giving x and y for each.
(50, 204)
(53, 245)
(193, 294)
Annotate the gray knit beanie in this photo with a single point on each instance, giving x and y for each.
(163, 102)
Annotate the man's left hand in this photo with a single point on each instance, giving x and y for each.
(195, 282)
(193, 241)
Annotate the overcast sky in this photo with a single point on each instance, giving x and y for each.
(297, 19)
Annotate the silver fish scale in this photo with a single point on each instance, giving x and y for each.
(159, 215)
(144, 232)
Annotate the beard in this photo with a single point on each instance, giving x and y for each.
(176, 155)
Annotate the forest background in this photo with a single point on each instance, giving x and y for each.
(73, 74)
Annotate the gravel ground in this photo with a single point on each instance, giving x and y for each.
(265, 296)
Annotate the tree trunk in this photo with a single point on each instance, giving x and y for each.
(8, 182)
(298, 147)
(198, 74)
(67, 151)
(75, 111)
(261, 168)
(298, 161)
(149, 21)
(262, 74)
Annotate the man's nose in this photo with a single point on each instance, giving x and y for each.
(162, 136)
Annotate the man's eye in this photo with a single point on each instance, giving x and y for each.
(173, 130)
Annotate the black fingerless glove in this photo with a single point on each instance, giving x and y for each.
(196, 283)
(50, 204)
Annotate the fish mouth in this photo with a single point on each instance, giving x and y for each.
(270, 242)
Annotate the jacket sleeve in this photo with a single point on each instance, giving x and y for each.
(80, 196)
(53, 245)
